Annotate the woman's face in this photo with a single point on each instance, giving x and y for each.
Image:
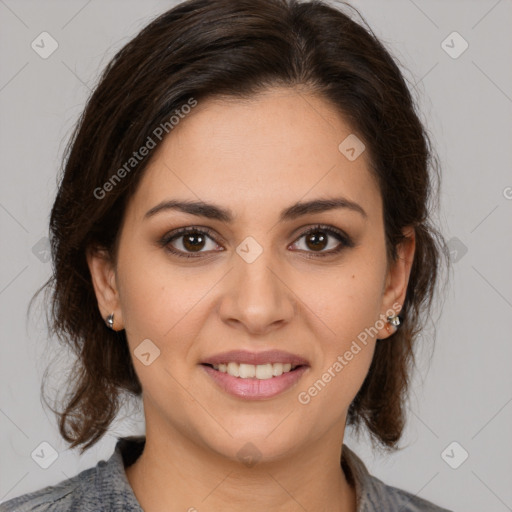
(255, 282)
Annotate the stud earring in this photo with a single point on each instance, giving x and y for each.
(110, 321)
(394, 320)
(393, 323)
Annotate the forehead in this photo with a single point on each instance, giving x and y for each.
(275, 149)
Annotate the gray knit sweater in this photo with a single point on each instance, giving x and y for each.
(105, 488)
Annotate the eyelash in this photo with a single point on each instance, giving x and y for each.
(345, 240)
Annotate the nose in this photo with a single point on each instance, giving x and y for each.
(256, 297)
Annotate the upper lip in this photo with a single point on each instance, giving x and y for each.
(255, 358)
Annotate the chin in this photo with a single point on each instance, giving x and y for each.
(253, 445)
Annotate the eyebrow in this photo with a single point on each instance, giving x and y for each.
(212, 211)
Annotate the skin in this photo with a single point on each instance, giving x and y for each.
(255, 157)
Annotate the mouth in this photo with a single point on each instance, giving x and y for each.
(255, 376)
(251, 371)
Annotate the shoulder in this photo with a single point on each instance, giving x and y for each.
(399, 499)
(373, 495)
(70, 494)
(103, 487)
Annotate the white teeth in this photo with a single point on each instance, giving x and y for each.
(249, 371)
(233, 369)
(264, 371)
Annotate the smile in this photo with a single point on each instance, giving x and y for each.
(258, 371)
(254, 382)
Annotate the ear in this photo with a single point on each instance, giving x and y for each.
(397, 279)
(103, 277)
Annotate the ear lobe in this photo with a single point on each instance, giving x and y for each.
(403, 264)
(104, 281)
(399, 271)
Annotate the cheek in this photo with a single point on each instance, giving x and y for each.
(329, 392)
(155, 298)
(348, 302)
(163, 307)
(349, 309)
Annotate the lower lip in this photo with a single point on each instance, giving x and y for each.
(255, 389)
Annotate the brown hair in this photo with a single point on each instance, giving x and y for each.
(235, 48)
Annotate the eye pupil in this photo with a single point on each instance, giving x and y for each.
(318, 240)
(190, 245)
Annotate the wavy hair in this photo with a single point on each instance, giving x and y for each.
(236, 49)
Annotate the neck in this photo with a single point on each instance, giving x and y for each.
(173, 473)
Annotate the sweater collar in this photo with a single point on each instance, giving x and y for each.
(128, 450)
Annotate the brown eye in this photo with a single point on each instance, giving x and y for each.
(316, 240)
(320, 238)
(189, 242)
(193, 242)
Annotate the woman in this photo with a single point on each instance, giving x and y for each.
(242, 238)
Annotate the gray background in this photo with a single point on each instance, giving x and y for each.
(464, 395)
